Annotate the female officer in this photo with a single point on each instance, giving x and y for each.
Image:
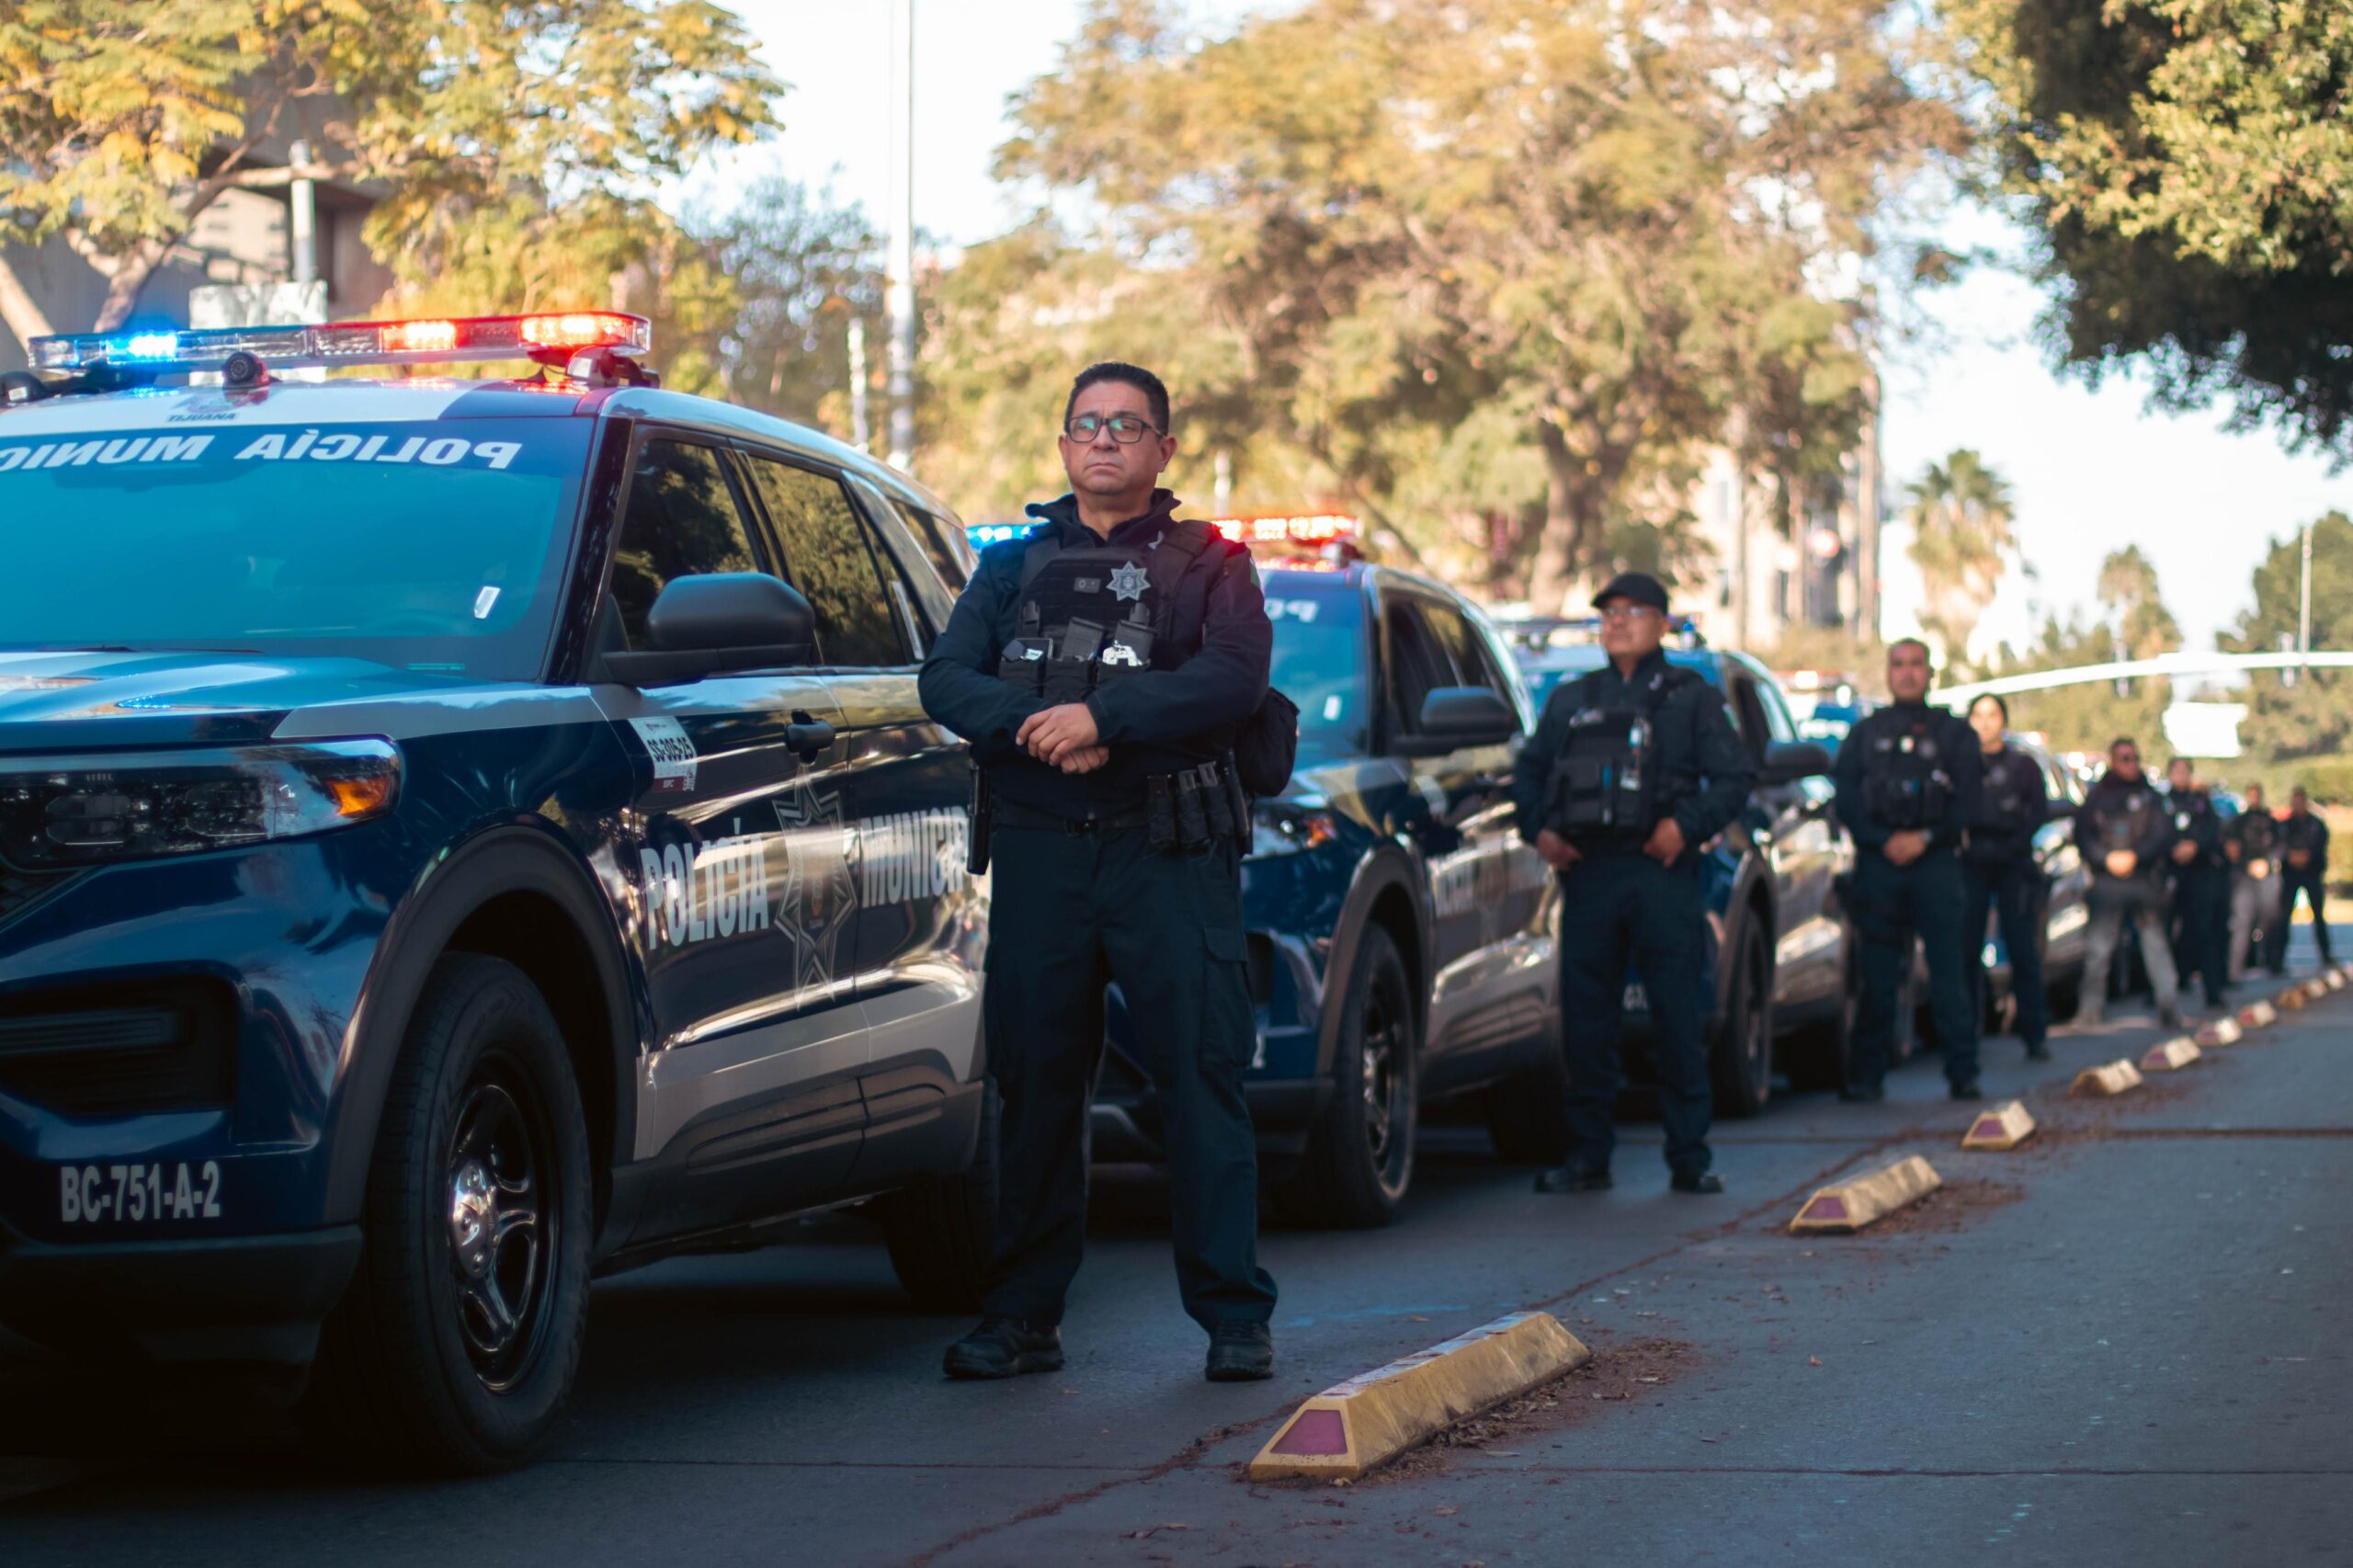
(2001, 864)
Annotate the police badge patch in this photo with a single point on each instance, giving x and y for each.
(1129, 581)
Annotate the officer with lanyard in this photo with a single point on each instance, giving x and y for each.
(1908, 778)
(1631, 770)
(2202, 884)
(2123, 833)
(1101, 667)
(2251, 843)
(2303, 845)
(2014, 804)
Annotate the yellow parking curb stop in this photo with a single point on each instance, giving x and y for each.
(2110, 1078)
(2316, 988)
(2221, 1031)
(2173, 1055)
(2336, 980)
(2007, 1126)
(1352, 1427)
(2254, 1015)
(2293, 999)
(1848, 1206)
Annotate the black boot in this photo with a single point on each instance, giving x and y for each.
(1240, 1352)
(1575, 1179)
(1005, 1347)
(1697, 1181)
(1862, 1094)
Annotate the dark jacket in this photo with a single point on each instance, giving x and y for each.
(1154, 721)
(2307, 833)
(1954, 739)
(1708, 771)
(2013, 801)
(2140, 815)
(2195, 819)
(2255, 836)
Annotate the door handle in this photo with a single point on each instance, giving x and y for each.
(806, 737)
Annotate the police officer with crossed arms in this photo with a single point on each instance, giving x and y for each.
(1909, 778)
(1631, 770)
(2202, 884)
(1102, 668)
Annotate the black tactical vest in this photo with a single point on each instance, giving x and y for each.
(1907, 781)
(2013, 801)
(1608, 785)
(1092, 614)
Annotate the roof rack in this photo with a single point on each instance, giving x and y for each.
(599, 348)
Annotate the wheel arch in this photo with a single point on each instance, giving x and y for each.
(1382, 892)
(520, 893)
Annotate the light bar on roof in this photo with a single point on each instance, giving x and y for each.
(435, 340)
(1321, 529)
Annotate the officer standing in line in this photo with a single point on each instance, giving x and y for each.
(1908, 779)
(1101, 667)
(2202, 884)
(2303, 844)
(1633, 767)
(2012, 807)
(2251, 843)
(2123, 833)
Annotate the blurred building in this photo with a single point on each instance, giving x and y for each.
(241, 249)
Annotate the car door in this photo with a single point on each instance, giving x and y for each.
(739, 853)
(914, 944)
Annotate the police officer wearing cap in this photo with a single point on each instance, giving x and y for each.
(1632, 769)
(1101, 668)
(1909, 781)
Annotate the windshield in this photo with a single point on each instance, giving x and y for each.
(1319, 659)
(434, 546)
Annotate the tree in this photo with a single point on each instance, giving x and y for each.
(2308, 717)
(2084, 717)
(495, 127)
(2127, 589)
(1960, 519)
(2188, 164)
(803, 266)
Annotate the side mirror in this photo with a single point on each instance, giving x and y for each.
(717, 622)
(1786, 762)
(1455, 718)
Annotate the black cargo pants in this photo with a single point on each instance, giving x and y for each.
(1891, 904)
(2201, 918)
(1618, 907)
(1071, 909)
(2019, 896)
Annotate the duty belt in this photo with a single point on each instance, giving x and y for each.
(1012, 813)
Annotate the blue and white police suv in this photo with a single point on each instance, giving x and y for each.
(458, 837)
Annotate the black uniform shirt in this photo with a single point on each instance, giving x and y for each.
(2256, 833)
(2310, 834)
(2195, 819)
(1708, 772)
(2151, 832)
(1153, 720)
(1955, 740)
(2014, 800)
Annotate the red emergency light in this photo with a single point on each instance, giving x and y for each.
(547, 338)
(1321, 529)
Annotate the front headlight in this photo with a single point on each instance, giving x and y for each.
(1279, 829)
(62, 812)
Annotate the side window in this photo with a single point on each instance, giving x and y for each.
(1779, 725)
(681, 521)
(826, 556)
(934, 534)
(1747, 712)
(1453, 634)
(1417, 662)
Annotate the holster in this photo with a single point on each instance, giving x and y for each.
(981, 811)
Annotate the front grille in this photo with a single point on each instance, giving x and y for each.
(121, 1050)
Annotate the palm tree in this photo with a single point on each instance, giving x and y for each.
(1960, 540)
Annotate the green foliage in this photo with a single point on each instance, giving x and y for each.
(1961, 512)
(2308, 719)
(493, 127)
(2189, 164)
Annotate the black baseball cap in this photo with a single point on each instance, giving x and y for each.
(1639, 587)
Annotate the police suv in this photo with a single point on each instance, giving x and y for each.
(456, 838)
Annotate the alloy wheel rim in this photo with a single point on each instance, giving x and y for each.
(501, 1221)
(1381, 1078)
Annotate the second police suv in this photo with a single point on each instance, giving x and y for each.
(456, 838)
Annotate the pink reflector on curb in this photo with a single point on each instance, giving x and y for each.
(1315, 1432)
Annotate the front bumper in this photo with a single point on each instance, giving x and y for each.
(217, 1300)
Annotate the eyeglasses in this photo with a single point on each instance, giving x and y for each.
(1626, 612)
(1126, 429)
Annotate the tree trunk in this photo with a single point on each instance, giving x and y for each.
(131, 275)
(16, 308)
(1570, 507)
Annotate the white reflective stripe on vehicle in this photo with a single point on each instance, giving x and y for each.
(443, 713)
(203, 408)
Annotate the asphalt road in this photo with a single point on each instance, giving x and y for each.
(2124, 1343)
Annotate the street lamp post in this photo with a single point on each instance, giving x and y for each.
(899, 286)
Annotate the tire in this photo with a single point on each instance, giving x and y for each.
(941, 1233)
(1740, 1059)
(1528, 1113)
(446, 1355)
(1824, 1052)
(1360, 1158)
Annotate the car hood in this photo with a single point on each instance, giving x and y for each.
(66, 701)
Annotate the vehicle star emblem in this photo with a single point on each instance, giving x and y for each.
(1129, 581)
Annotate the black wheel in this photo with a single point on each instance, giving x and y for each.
(1528, 1113)
(1824, 1054)
(1740, 1061)
(1359, 1156)
(940, 1232)
(456, 1346)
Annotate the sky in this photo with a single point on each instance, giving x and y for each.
(2091, 472)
